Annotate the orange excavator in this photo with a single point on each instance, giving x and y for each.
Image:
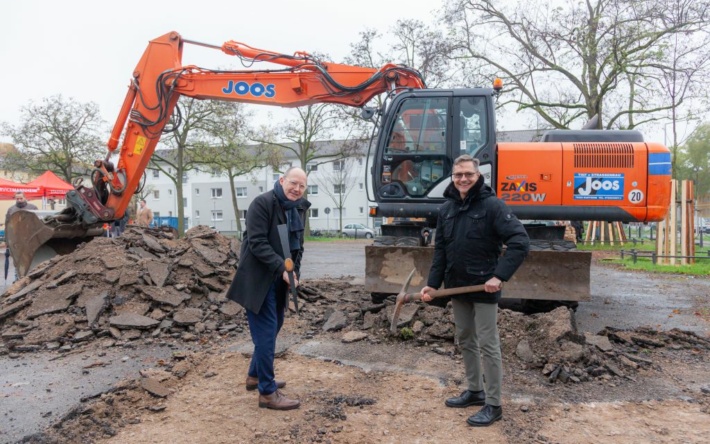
(584, 175)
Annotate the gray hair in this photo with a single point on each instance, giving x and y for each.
(467, 158)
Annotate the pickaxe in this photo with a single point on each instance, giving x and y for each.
(404, 297)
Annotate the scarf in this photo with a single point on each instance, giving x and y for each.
(293, 219)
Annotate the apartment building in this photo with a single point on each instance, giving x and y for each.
(207, 198)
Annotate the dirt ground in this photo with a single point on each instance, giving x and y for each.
(358, 384)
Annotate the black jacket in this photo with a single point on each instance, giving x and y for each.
(261, 260)
(469, 240)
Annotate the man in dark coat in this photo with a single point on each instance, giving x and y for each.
(260, 284)
(472, 227)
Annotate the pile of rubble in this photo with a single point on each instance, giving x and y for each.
(144, 284)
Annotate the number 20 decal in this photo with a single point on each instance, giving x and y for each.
(635, 196)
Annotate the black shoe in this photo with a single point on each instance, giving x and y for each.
(486, 416)
(467, 398)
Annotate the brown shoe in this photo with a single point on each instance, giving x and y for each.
(277, 401)
(253, 384)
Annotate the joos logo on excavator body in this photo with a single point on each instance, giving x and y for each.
(255, 89)
(598, 186)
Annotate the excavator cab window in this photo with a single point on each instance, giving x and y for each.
(416, 147)
(473, 124)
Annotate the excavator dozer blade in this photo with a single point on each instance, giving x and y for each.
(545, 275)
(33, 240)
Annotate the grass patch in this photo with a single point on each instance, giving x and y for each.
(701, 267)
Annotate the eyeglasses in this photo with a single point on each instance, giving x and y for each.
(296, 184)
(459, 176)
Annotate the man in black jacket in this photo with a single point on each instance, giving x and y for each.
(472, 227)
(260, 284)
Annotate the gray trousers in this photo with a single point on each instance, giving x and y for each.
(477, 336)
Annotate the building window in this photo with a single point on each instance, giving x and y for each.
(156, 214)
(170, 192)
(312, 190)
(361, 186)
(217, 215)
(311, 167)
(184, 177)
(216, 192)
(275, 176)
(215, 172)
(156, 194)
(197, 191)
(313, 213)
(243, 214)
(359, 161)
(338, 188)
(184, 202)
(197, 214)
(362, 210)
(261, 189)
(170, 214)
(241, 191)
(156, 174)
(338, 165)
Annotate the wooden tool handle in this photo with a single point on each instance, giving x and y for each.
(456, 290)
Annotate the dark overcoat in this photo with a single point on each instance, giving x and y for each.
(261, 259)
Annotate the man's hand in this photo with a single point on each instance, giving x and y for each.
(426, 297)
(295, 279)
(493, 285)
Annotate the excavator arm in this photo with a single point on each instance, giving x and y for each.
(158, 81)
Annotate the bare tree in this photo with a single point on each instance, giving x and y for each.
(413, 43)
(570, 61)
(59, 135)
(227, 150)
(680, 75)
(307, 137)
(189, 122)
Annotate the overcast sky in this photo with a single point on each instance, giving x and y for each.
(87, 50)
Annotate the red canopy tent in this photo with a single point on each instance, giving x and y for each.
(8, 189)
(50, 185)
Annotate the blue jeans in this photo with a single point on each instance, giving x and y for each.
(264, 327)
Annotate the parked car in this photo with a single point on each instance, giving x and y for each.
(357, 230)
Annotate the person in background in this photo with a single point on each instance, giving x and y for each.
(20, 204)
(261, 282)
(578, 226)
(473, 225)
(145, 214)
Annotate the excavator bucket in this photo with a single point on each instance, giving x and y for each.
(33, 239)
(544, 275)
